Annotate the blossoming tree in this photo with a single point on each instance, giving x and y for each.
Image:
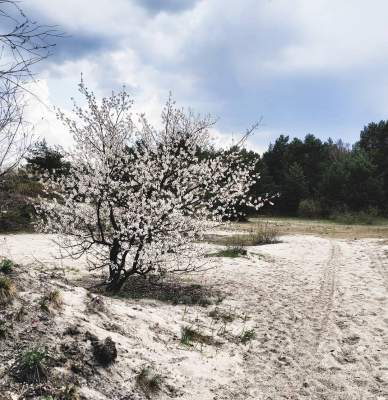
(137, 199)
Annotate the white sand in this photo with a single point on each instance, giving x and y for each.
(319, 308)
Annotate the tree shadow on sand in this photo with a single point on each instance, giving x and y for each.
(173, 290)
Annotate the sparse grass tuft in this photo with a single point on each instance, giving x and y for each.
(7, 290)
(149, 381)
(31, 366)
(225, 316)
(6, 266)
(190, 335)
(52, 300)
(247, 336)
(187, 335)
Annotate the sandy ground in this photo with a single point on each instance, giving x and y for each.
(318, 307)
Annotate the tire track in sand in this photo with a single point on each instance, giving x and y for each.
(325, 298)
(320, 315)
(292, 351)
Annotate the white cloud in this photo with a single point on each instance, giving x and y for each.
(40, 115)
(242, 44)
(334, 36)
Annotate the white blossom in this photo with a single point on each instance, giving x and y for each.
(137, 199)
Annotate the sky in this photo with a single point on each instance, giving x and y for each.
(300, 66)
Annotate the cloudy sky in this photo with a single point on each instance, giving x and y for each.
(304, 66)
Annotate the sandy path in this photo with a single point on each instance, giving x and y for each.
(319, 308)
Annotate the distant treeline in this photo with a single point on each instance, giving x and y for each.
(315, 179)
(327, 179)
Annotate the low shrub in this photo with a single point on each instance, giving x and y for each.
(310, 208)
(104, 352)
(31, 366)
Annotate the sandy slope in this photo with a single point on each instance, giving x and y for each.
(318, 308)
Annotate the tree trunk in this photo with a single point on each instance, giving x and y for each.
(115, 284)
(114, 269)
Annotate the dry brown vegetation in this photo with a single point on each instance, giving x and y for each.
(324, 228)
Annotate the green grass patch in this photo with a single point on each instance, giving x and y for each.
(247, 336)
(6, 266)
(230, 252)
(31, 366)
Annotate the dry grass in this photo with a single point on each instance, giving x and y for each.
(318, 227)
(52, 300)
(256, 234)
(7, 290)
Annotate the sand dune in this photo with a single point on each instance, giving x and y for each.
(317, 309)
